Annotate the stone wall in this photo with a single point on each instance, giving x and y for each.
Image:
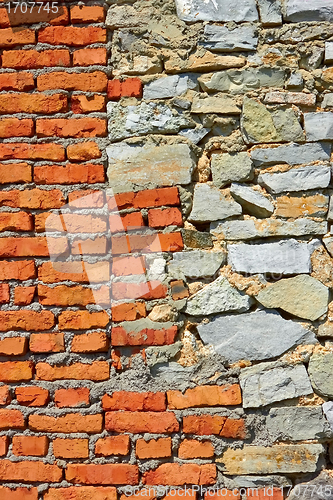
(165, 251)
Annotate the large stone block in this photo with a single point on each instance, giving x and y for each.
(239, 81)
(221, 38)
(320, 371)
(132, 166)
(253, 336)
(228, 168)
(293, 154)
(210, 204)
(217, 10)
(318, 126)
(297, 179)
(196, 264)
(313, 10)
(297, 423)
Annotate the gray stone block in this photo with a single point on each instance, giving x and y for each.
(296, 423)
(221, 38)
(170, 86)
(254, 336)
(320, 372)
(217, 10)
(228, 167)
(196, 264)
(314, 10)
(242, 80)
(327, 101)
(270, 12)
(328, 52)
(319, 488)
(328, 411)
(210, 204)
(195, 135)
(252, 201)
(293, 154)
(318, 126)
(297, 179)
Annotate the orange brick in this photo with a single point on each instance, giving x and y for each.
(128, 266)
(150, 290)
(112, 445)
(139, 422)
(33, 103)
(23, 151)
(32, 59)
(126, 222)
(135, 401)
(70, 174)
(159, 217)
(156, 198)
(86, 14)
(121, 337)
(214, 424)
(5, 397)
(89, 57)
(179, 475)
(64, 295)
(47, 342)
(26, 320)
(17, 81)
(18, 493)
(70, 398)
(205, 395)
(16, 371)
(155, 448)
(29, 472)
(71, 448)
(15, 173)
(70, 423)
(31, 247)
(13, 346)
(190, 448)
(23, 295)
(4, 294)
(129, 311)
(88, 82)
(73, 271)
(10, 38)
(131, 87)
(30, 445)
(71, 36)
(11, 419)
(38, 199)
(144, 494)
(70, 127)
(102, 474)
(170, 242)
(179, 494)
(16, 221)
(13, 127)
(32, 396)
(83, 151)
(79, 493)
(72, 223)
(114, 90)
(84, 104)
(82, 320)
(90, 342)
(86, 198)
(21, 270)
(4, 443)
(34, 15)
(97, 371)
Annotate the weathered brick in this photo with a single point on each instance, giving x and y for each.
(17, 81)
(214, 424)
(72, 422)
(29, 472)
(169, 242)
(70, 127)
(71, 448)
(32, 396)
(206, 395)
(120, 337)
(21, 270)
(72, 271)
(86, 198)
(18, 493)
(149, 291)
(5, 397)
(179, 475)
(23, 151)
(30, 445)
(79, 493)
(147, 494)
(156, 198)
(33, 59)
(82, 320)
(83, 151)
(71, 36)
(16, 221)
(11, 419)
(69, 174)
(84, 104)
(90, 342)
(90, 246)
(39, 199)
(64, 295)
(33, 103)
(15, 173)
(26, 320)
(69, 398)
(97, 371)
(86, 14)
(72, 223)
(34, 14)
(10, 38)
(16, 371)
(4, 444)
(191, 448)
(13, 346)
(23, 295)
(14, 127)
(155, 448)
(88, 82)
(47, 342)
(159, 217)
(139, 422)
(128, 266)
(129, 311)
(31, 246)
(127, 222)
(130, 87)
(102, 474)
(89, 57)
(135, 401)
(112, 445)
(4, 293)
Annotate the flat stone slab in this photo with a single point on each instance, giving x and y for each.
(232, 167)
(252, 201)
(281, 258)
(297, 179)
(196, 264)
(298, 423)
(218, 297)
(320, 372)
(302, 296)
(239, 81)
(217, 10)
(221, 38)
(268, 383)
(217, 104)
(170, 86)
(254, 336)
(314, 10)
(292, 154)
(318, 126)
(210, 204)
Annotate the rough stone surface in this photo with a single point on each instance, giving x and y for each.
(243, 80)
(320, 371)
(268, 383)
(210, 204)
(316, 10)
(317, 489)
(170, 86)
(300, 206)
(297, 179)
(301, 296)
(196, 263)
(228, 168)
(318, 126)
(296, 423)
(221, 38)
(217, 104)
(328, 52)
(327, 101)
(293, 154)
(252, 201)
(270, 12)
(220, 10)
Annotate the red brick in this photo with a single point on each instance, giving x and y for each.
(16, 371)
(155, 448)
(70, 127)
(83, 151)
(266, 493)
(191, 448)
(147, 336)
(70, 174)
(11, 419)
(179, 475)
(179, 494)
(144, 494)
(112, 445)
(17, 81)
(129, 311)
(18, 493)
(30, 445)
(205, 395)
(139, 422)
(89, 57)
(10, 38)
(74, 271)
(16, 221)
(103, 474)
(47, 342)
(26, 320)
(13, 346)
(127, 222)
(33, 59)
(15, 173)
(29, 472)
(71, 448)
(38, 199)
(72, 223)
(5, 397)
(86, 198)
(86, 14)
(23, 151)
(14, 127)
(23, 295)
(170, 242)
(4, 293)
(135, 401)
(21, 270)
(82, 320)
(31, 247)
(159, 217)
(71, 36)
(214, 424)
(70, 423)
(90, 246)
(156, 198)
(131, 87)
(224, 493)
(33, 103)
(88, 82)
(79, 493)
(32, 396)
(128, 266)
(4, 444)
(64, 295)
(90, 342)
(114, 90)
(34, 15)
(69, 398)
(96, 371)
(149, 291)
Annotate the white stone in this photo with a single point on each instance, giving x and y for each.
(169, 86)
(318, 126)
(196, 264)
(297, 179)
(328, 52)
(217, 10)
(221, 38)
(252, 201)
(292, 154)
(308, 10)
(209, 204)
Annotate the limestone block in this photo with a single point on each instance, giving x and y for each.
(252, 201)
(221, 38)
(196, 264)
(228, 167)
(217, 10)
(210, 204)
(293, 154)
(297, 179)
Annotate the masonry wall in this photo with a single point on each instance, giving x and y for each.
(165, 251)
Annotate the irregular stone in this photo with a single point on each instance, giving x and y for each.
(241, 81)
(252, 201)
(217, 297)
(162, 312)
(297, 98)
(195, 134)
(319, 488)
(148, 166)
(219, 10)
(217, 104)
(328, 242)
(253, 336)
(170, 86)
(316, 10)
(268, 383)
(260, 124)
(296, 423)
(297, 179)
(330, 209)
(295, 80)
(201, 61)
(318, 126)
(257, 482)
(145, 118)
(302, 296)
(327, 101)
(328, 52)
(328, 411)
(196, 264)
(299, 206)
(293, 154)
(325, 330)
(196, 239)
(163, 354)
(250, 229)
(210, 204)
(228, 167)
(282, 258)
(125, 16)
(285, 459)
(221, 38)
(320, 372)
(137, 65)
(270, 12)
